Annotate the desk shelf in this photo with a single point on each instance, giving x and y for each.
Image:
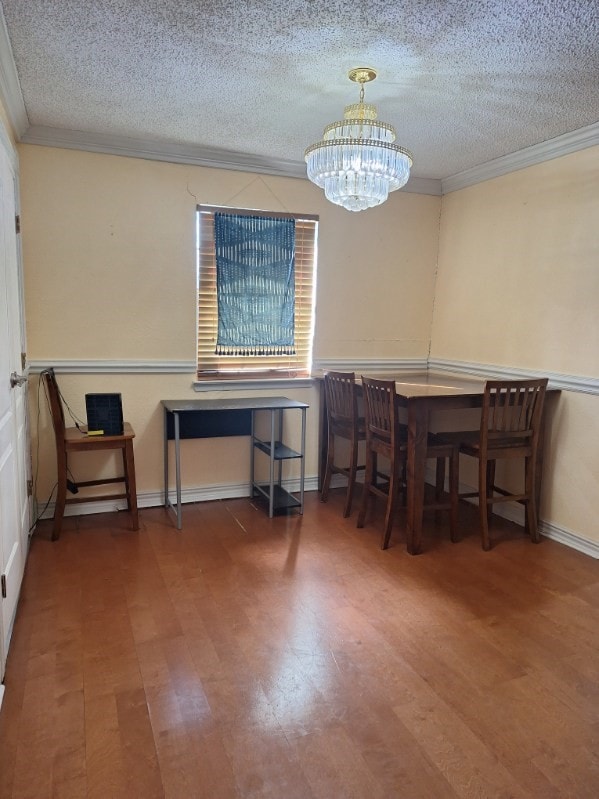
(281, 451)
(279, 500)
(282, 499)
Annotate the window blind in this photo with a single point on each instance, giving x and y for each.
(211, 365)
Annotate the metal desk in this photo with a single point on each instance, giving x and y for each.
(238, 410)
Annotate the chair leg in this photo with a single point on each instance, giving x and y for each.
(440, 479)
(394, 488)
(439, 487)
(130, 483)
(454, 485)
(326, 483)
(353, 466)
(532, 518)
(369, 476)
(61, 495)
(483, 504)
(490, 487)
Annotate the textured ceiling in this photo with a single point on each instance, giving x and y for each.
(463, 82)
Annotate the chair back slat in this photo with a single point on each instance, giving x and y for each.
(512, 411)
(341, 396)
(380, 410)
(56, 410)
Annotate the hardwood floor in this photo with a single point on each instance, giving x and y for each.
(248, 657)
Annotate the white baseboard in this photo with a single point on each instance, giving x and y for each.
(153, 499)
(513, 512)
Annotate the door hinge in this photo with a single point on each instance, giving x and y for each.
(29, 487)
(3, 581)
(18, 223)
(23, 361)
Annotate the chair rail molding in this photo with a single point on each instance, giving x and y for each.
(370, 365)
(557, 380)
(577, 383)
(113, 367)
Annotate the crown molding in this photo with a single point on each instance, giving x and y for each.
(537, 153)
(216, 158)
(171, 152)
(10, 87)
(153, 150)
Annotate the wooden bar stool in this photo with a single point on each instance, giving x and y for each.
(344, 422)
(386, 437)
(510, 427)
(72, 439)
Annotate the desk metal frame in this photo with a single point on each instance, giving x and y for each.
(274, 447)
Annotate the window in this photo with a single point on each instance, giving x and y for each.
(213, 365)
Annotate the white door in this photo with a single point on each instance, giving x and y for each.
(14, 466)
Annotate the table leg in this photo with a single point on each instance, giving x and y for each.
(252, 453)
(178, 470)
(280, 438)
(271, 497)
(165, 458)
(303, 461)
(417, 440)
(538, 472)
(323, 434)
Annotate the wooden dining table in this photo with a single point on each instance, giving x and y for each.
(421, 393)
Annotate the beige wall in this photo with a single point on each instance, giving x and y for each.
(109, 256)
(518, 285)
(109, 259)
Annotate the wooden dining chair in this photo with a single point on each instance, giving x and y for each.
(386, 437)
(510, 428)
(343, 421)
(73, 439)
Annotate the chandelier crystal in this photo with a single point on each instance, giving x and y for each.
(356, 162)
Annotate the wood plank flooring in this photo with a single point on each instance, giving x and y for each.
(248, 657)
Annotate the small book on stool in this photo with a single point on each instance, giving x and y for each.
(104, 414)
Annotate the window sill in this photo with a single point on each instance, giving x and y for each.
(252, 384)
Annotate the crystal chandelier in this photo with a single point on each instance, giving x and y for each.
(356, 162)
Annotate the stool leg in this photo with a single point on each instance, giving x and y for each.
(61, 495)
(324, 494)
(130, 484)
(483, 505)
(369, 479)
(454, 486)
(532, 519)
(394, 489)
(353, 466)
(439, 486)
